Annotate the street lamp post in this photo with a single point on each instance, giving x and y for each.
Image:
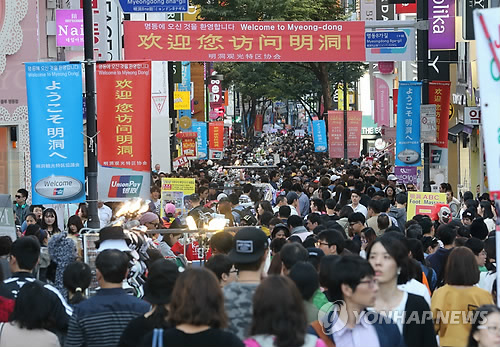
(93, 216)
(423, 75)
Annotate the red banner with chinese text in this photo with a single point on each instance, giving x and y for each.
(124, 109)
(245, 41)
(259, 123)
(439, 94)
(216, 135)
(336, 133)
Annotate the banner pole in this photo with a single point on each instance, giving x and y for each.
(423, 75)
(93, 216)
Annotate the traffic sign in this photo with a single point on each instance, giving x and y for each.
(385, 39)
(132, 6)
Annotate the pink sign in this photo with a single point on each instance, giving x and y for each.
(69, 28)
(382, 112)
(336, 133)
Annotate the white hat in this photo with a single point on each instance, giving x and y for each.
(392, 177)
(333, 178)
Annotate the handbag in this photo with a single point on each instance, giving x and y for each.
(157, 338)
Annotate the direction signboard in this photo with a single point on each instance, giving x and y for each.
(387, 44)
(387, 39)
(131, 6)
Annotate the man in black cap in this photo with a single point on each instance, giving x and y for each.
(197, 210)
(249, 255)
(213, 191)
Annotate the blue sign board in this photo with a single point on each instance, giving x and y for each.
(130, 6)
(56, 132)
(319, 136)
(408, 149)
(201, 140)
(385, 39)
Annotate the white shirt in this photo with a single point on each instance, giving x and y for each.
(360, 208)
(105, 214)
(415, 287)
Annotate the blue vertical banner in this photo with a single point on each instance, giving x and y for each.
(319, 136)
(201, 140)
(408, 149)
(309, 125)
(56, 132)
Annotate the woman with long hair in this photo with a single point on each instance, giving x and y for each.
(389, 258)
(263, 206)
(158, 292)
(196, 313)
(279, 317)
(485, 210)
(31, 321)
(390, 194)
(74, 226)
(459, 294)
(485, 330)
(49, 221)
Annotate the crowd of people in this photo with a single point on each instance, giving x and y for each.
(323, 255)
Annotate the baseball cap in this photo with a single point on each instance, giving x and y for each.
(392, 177)
(250, 244)
(193, 197)
(213, 185)
(468, 214)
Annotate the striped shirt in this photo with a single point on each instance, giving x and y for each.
(101, 320)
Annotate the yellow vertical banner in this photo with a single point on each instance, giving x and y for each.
(340, 96)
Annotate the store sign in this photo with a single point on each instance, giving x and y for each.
(69, 28)
(423, 203)
(472, 115)
(384, 10)
(441, 24)
(467, 18)
(245, 41)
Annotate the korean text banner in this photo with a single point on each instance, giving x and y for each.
(55, 112)
(201, 129)
(408, 151)
(336, 133)
(441, 24)
(488, 68)
(216, 133)
(319, 136)
(124, 123)
(245, 41)
(439, 95)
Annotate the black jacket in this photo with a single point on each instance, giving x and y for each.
(61, 311)
(418, 327)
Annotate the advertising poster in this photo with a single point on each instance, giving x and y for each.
(259, 123)
(173, 190)
(124, 137)
(423, 203)
(55, 112)
(185, 87)
(319, 136)
(245, 41)
(406, 174)
(408, 151)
